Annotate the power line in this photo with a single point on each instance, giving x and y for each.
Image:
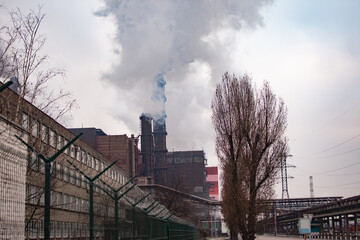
(340, 175)
(335, 118)
(340, 185)
(337, 145)
(330, 156)
(337, 169)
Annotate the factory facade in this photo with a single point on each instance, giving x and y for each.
(27, 133)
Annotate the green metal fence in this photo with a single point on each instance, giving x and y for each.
(148, 227)
(144, 217)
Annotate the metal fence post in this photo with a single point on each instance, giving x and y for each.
(5, 85)
(116, 198)
(91, 193)
(47, 162)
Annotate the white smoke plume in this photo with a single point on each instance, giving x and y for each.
(181, 40)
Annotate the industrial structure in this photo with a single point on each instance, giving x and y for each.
(118, 148)
(331, 218)
(55, 186)
(189, 168)
(212, 180)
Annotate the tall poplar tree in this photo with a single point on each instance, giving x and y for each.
(250, 124)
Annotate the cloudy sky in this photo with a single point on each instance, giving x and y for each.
(308, 50)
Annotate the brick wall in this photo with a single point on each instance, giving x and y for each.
(114, 148)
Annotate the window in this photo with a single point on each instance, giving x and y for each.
(42, 196)
(93, 162)
(77, 230)
(66, 174)
(25, 122)
(60, 142)
(66, 201)
(67, 149)
(198, 159)
(77, 204)
(102, 166)
(85, 206)
(83, 181)
(52, 169)
(72, 151)
(45, 134)
(42, 166)
(33, 194)
(58, 229)
(72, 229)
(34, 162)
(52, 138)
(72, 177)
(59, 199)
(41, 229)
(65, 229)
(52, 225)
(72, 202)
(77, 179)
(198, 189)
(83, 159)
(58, 171)
(97, 165)
(33, 229)
(78, 153)
(82, 205)
(52, 198)
(88, 160)
(84, 230)
(35, 128)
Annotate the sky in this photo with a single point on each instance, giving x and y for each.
(307, 50)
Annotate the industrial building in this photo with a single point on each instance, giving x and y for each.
(22, 179)
(212, 179)
(189, 167)
(118, 148)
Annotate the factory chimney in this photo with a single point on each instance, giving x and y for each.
(147, 145)
(160, 133)
(311, 187)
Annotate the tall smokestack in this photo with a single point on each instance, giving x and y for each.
(147, 145)
(311, 187)
(160, 133)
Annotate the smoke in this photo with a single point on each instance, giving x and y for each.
(159, 99)
(181, 41)
(160, 35)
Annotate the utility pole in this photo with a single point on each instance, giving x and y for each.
(284, 177)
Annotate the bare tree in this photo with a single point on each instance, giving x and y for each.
(21, 46)
(250, 143)
(173, 200)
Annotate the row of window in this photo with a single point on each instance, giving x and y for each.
(62, 229)
(35, 195)
(171, 159)
(66, 174)
(50, 137)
